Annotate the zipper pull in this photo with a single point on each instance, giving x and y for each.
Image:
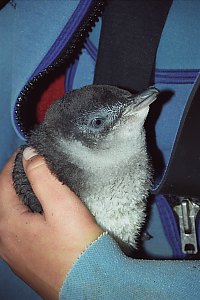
(187, 211)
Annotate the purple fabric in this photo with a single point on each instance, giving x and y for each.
(176, 76)
(169, 225)
(70, 74)
(91, 49)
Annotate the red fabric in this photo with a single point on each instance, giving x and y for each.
(54, 91)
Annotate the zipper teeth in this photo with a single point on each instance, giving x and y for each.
(67, 55)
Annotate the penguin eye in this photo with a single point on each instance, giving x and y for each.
(97, 123)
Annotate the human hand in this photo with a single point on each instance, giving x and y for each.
(41, 248)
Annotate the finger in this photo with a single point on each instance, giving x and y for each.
(55, 198)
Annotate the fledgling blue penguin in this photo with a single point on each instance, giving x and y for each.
(93, 140)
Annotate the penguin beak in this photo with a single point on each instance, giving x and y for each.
(142, 100)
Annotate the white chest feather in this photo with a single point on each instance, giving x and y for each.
(118, 201)
(117, 186)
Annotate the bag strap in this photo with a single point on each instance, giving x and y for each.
(128, 43)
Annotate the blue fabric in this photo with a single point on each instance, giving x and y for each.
(26, 34)
(104, 273)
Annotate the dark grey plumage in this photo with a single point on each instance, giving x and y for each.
(93, 140)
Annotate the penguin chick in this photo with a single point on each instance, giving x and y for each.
(93, 140)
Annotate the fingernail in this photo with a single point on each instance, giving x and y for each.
(28, 153)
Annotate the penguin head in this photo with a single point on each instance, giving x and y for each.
(96, 115)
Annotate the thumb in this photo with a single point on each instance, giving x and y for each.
(55, 198)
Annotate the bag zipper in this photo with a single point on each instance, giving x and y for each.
(181, 223)
(187, 210)
(67, 55)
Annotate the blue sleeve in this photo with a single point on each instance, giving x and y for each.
(104, 272)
